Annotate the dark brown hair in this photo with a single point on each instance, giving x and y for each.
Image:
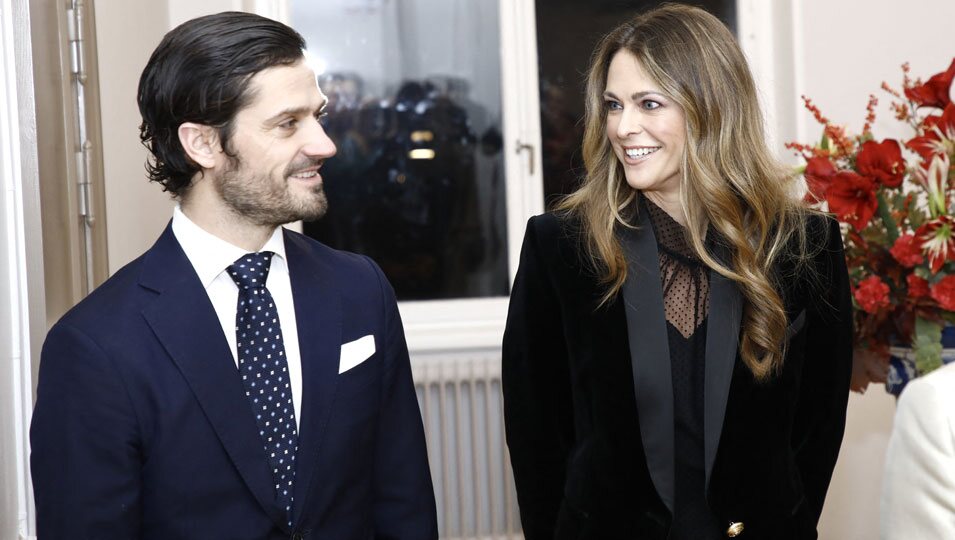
(200, 73)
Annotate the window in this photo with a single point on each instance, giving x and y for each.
(418, 184)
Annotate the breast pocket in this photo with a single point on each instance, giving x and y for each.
(356, 352)
(359, 377)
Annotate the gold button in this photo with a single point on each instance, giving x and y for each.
(735, 529)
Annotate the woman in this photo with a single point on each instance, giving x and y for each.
(678, 343)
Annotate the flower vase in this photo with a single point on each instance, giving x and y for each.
(902, 362)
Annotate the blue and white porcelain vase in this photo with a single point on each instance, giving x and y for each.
(902, 362)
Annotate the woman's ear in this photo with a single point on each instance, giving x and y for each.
(201, 143)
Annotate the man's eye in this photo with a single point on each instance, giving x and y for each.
(288, 124)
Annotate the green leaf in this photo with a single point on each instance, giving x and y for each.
(927, 345)
(876, 236)
(891, 228)
(824, 143)
(916, 215)
(926, 274)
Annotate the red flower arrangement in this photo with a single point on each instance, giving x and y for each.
(896, 201)
(872, 294)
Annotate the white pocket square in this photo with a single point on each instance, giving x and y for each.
(356, 352)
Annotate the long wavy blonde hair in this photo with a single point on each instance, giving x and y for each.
(732, 185)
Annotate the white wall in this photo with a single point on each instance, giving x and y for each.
(181, 11)
(845, 49)
(136, 210)
(126, 34)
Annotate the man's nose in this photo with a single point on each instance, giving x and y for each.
(319, 144)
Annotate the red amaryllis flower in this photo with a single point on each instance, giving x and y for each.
(937, 241)
(925, 146)
(943, 124)
(918, 287)
(872, 294)
(852, 198)
(907, 250)
(934, 129)
(943, 292)
(882, 161)
(819, 173)
(934, 93)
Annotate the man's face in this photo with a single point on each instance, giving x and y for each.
(279, 147)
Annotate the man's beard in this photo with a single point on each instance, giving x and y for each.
(261, 200)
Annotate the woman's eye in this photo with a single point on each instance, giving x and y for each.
(649, 104)
(612, 105)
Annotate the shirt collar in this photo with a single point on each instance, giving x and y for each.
(211, 255)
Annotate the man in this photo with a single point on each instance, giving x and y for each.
(237, 381)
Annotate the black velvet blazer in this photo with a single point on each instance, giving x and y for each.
(588, 403)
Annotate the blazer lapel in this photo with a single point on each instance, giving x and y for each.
(185, 322)
(722, 340)
(318, 316)
(650, 353)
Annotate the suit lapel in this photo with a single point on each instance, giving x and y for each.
(722, 340)
(318, 316)
(184, 321)
(650, 353)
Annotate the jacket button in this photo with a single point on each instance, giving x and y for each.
(735, 529)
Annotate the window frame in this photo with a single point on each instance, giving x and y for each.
(23, 317)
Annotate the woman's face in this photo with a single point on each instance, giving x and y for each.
(645, 127)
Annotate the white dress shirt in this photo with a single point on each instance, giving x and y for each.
(210, 256)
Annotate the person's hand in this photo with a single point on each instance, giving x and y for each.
(868, 366)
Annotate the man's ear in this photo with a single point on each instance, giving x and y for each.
(201, 143)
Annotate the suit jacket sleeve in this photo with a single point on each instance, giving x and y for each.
(918, 489)
(824, 386)
(536, 385)
(85, 457)
(404, 507)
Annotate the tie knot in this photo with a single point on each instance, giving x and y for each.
(250, 271)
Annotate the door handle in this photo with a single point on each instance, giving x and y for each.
(521, 146)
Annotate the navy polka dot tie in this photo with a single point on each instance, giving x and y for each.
(264, 370)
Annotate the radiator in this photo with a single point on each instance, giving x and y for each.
(462, 408)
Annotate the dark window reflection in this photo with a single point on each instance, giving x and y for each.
(414, 108)
(567, 32)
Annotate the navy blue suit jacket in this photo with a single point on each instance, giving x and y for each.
(142, 428)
